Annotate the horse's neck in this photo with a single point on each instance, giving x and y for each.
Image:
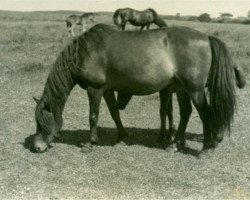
(57, 91)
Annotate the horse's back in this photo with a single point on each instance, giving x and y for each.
(150, 60)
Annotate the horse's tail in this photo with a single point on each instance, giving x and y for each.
(115, 17)
(157, 19)
(221, 87)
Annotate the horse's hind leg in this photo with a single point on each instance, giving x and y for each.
(148, 26)
(171, 125)
(142, 27)
(122, 100)
(205, 113)
(185, 106)
(113, 109)
(165, 95)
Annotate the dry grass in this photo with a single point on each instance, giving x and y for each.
(141, 169)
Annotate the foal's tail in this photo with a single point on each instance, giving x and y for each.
(157, 19)
(221, 86)
(115, 17)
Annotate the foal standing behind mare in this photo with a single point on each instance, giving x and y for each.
(100, 62)
(137, 18)
(74, 20)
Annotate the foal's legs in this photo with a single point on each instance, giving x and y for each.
(201, 104)
(185, 106)
(113, 108)
(72, 30)
(95, 96)
(70, 33)
(84, 27)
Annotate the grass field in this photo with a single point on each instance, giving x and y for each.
(29, 43)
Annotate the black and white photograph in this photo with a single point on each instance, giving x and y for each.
(124, 99)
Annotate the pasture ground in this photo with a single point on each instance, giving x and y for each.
(142, 169)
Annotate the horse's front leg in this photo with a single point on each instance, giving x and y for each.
(113, 109)
(123, 25)
(95, 96)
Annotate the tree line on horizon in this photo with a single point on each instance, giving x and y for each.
(60, 16)
(205, 17)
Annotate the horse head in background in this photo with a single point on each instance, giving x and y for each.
(82, 20)
(137, 18)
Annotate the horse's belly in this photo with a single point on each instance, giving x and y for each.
(143, 88)
(143, 80)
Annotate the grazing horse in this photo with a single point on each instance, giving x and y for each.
(101, 62)
(137, 18)
(74, 20)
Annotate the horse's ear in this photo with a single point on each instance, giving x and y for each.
(47, 107)
(36, 100)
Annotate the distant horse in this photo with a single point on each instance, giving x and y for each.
(101, 62)
(137, 18)
(74, 20)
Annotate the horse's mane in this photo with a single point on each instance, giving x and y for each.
(93, 39)
(58, 85)
(61, 78)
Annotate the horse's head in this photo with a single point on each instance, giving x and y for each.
(92, 17)
(46, 127)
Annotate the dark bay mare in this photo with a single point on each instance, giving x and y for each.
(137, 18)
(101, 62)
(82, 20)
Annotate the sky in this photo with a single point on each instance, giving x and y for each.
(167, 7)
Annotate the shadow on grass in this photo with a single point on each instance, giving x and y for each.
(108, 137)
(137, 136)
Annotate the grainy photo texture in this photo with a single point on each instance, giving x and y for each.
(122, 99)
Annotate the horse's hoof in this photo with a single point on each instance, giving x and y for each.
(87, 148)
(205, 153)
(94, 140)
(122, 137)
(172, 148)
(121, 143)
